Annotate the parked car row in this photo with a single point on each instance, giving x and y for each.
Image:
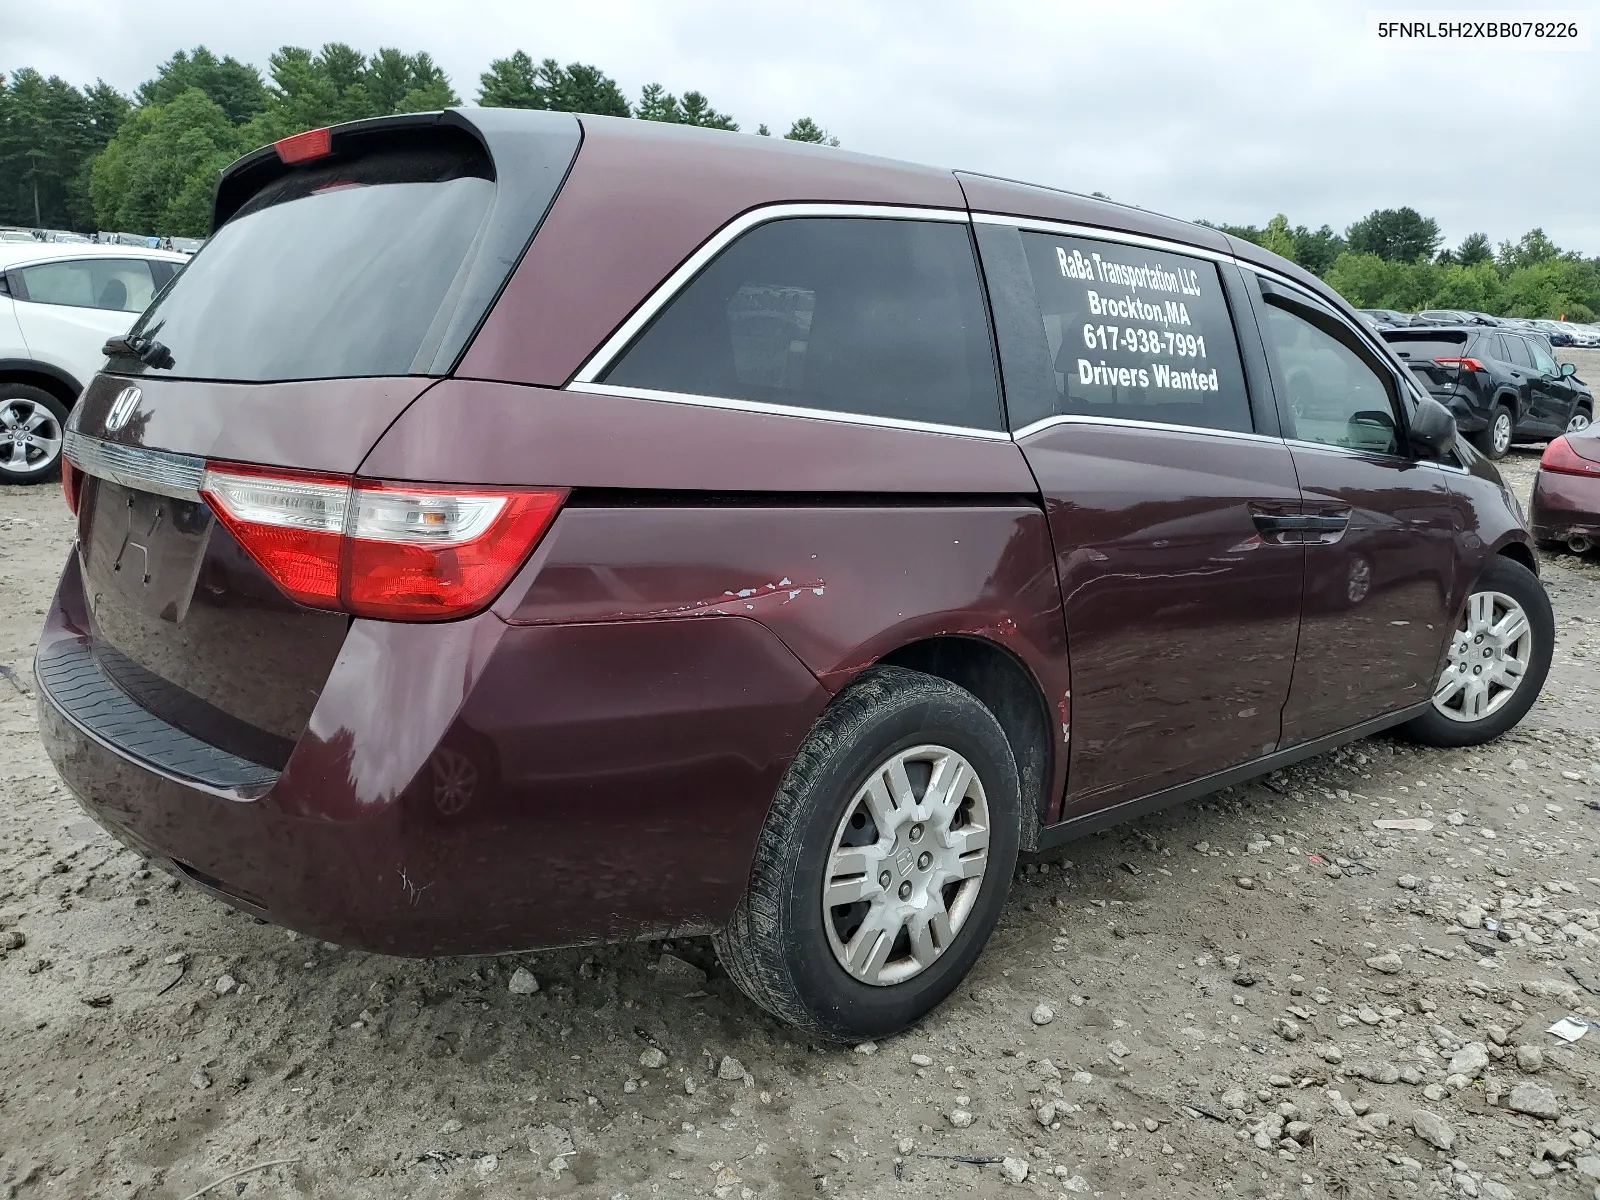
(183, 245)
(1557, 333)
(389, 619)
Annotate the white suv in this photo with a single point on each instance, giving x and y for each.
(59, 302)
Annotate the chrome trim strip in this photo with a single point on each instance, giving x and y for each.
(787, 410)
(1351, 451)
(602, 358)
(1097, 233)
(159, 471)
(1128, 423)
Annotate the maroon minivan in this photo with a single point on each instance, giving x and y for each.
(516, 529)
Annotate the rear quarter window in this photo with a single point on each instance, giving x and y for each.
(865, 316)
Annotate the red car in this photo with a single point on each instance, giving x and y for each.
(516, 529)
(1566, 492)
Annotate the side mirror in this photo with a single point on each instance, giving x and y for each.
(1433, 429)
(1568, 370)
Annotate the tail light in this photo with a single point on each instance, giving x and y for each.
(399, 551)
(71, 484)
(1470, 364)
(1561, 458)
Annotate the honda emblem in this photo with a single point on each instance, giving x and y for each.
(122, 408)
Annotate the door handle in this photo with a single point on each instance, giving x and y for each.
(1302, 528)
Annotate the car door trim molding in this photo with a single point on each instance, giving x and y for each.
(1095, 820)
(1131, 423)
(667, 290)
(788, 410)
(1102, 234)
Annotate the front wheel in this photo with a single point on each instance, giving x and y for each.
(1579, 421)
(1498, 658)
(884, 862)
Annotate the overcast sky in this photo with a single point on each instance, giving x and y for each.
(1230, 111)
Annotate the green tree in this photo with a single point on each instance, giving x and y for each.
(763, 131)
(1477, 287)
(511, 83)
(47, 131)
(581, 88)
(695, 109)
(158, 174)
(807, 130)
(578, 87)
(1395, 234)
(1316, 249)
(1369, 281)
(657, 104)
(235, 86)
(1533, 247)
(1474, 249)
(1277, 238)
(339, 84)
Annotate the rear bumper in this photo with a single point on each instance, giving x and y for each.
(1468, 418)
(1564, 505)
(471, 787)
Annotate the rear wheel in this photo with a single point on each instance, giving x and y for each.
(884, 863)
(1498, 658)
(32, 425)
(1495, 438)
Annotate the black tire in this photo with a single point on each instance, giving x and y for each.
(46, 466)
(776, 947)
(1484, 439)
(1522, 585)
(1583, 410)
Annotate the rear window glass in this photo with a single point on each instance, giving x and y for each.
(344, 269)
(1137, 334)
(880, 318)
(1424, 346)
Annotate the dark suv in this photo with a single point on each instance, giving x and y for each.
(516, 529)
(1502, 385)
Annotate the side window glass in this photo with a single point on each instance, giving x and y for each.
(1137, 334)
(1334, 397)
(121, 285)
(876, 317)
(1542, 361)
(1495, 344)
(1518, 348)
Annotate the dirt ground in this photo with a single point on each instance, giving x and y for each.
(1258, 995)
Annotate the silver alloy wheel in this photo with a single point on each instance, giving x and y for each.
(1502, 431)
(1579, 422)
(907, 864)
(1489, 654)
(30, 435)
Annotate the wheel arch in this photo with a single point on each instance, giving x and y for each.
(1520, 553)
(44, 376)
(1006, 686)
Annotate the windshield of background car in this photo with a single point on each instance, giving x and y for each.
(345, 269)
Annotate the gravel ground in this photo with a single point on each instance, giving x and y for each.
(1258, 995)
